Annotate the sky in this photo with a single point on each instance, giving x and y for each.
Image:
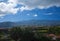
(20, 10)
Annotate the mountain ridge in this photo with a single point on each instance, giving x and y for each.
(30, 23)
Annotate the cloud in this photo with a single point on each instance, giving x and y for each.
(48, 13)
(9, 7)
(39, 3)
(28, 14)
(2, 16)
(35, 15)
(25, 8)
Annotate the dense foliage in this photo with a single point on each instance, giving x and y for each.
(29, 33)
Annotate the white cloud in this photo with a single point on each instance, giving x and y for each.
(35, 15)
(25, 8)
(9, 6)
(28, 14)
(48, 13)
(40, 3)
(2, 16)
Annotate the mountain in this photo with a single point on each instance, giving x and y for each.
(30, 23)
(7, 24)
(40, 22)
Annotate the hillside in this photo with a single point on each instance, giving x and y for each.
(30, 23)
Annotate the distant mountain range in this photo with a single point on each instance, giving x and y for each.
(7, 24)
(30, 23)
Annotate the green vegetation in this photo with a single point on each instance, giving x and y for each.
(29, 33)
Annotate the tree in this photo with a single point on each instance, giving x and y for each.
(54, 30)
(16, 33)
(27, 35)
